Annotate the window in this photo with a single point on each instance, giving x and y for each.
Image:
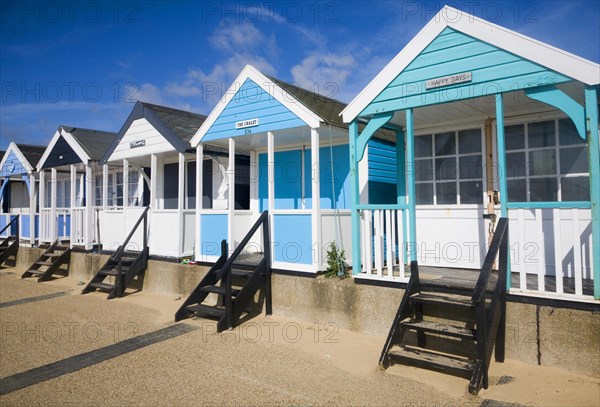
(133, 193)
(190, 179)
(546, 161)
(449, 168)
(98, 190)
(171, 185)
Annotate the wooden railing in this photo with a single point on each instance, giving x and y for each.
(7, 228)
(383, 242)
(490, 313)
(264, 267)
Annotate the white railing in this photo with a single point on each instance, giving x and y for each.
(63, 224)
(383, 235)
(551, 252)
(78, 226)
(47, 225)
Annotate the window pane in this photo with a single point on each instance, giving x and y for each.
(424, 194)
(445, 144)
(543, 189)
(541, 134)
(423, 146)
(517, 190)
(574, 160)
(469, 141)
(119, 189)
(424, 170)
(133, 193)
(514, 137)
(575, 189)
(567, 133)
(191, 185)
(542, 162)
(171, 185)
(470, 167)
(445, 193)
(471, 192)
(515, 165)
(445, 168)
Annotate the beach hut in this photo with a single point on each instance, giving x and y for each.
(298, 152)
(151, 164)
(493, 123)
(19, 188)
(68, 196)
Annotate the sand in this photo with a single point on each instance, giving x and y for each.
(266, 361)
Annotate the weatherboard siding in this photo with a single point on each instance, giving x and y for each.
(252, 102)
(493, 70)
(12, 166)
(382, 172)
(140, 130)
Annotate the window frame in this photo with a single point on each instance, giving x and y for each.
(457, 155)
(556, 148)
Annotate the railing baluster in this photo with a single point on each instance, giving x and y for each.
(389, 235)
(369, 242)
(558, 251)
(539, 235)
(401, 242)
(378, 241)
(521, 252)
(577, 271)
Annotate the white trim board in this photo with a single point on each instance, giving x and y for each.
(528, 48)
(266, 84)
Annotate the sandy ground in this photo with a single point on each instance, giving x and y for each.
(266, 361)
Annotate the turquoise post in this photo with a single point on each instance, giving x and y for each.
(401, 186)
(591, 114)
(502, 184)
(355, 193)
(410, 172)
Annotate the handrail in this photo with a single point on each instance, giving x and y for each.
(15, 219)
(121, 248)
(261, 219)
(490, 258)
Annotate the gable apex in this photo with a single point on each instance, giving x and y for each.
(545, 55)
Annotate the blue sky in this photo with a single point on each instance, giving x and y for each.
(85, 63)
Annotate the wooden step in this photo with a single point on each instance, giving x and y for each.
(451, 300)
(35, 272)
(212, 311)
(103, 286)
(440, 328)
(218, 290)
(44, 263)
(241, 273)
(423, 358)
(113, 272)
(53, 254)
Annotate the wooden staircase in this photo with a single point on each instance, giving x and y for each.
(50, 262)
(123, 266)
(9, 246)
(451, 332)
(235, 281)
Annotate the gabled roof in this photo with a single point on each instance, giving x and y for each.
(88, 144)
(175, 125)
(327, 108)
(32, 153)
(278, 90)
(28, 155)
(528, 48)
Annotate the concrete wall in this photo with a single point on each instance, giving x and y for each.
(548, 336)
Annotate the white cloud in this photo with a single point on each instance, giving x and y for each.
(242, 37)
(325, 73)
(150, 93)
